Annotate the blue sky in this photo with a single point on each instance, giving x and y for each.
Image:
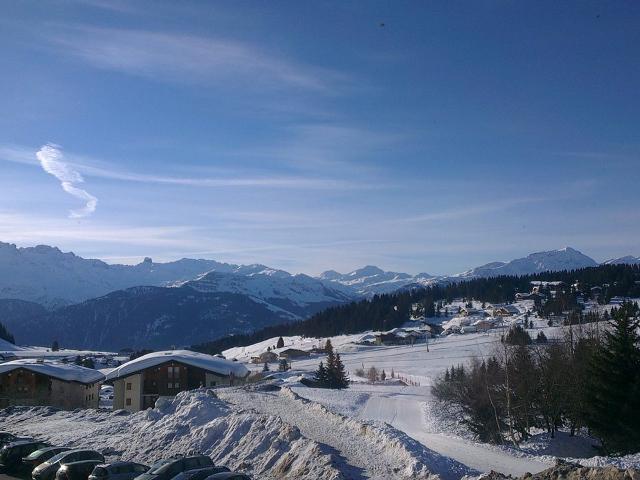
(307, 136)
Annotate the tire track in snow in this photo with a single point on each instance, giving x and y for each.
(370, 450)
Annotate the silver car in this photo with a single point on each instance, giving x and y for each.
(47, 470)
(118, 471)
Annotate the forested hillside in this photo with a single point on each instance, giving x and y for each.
(384, 312)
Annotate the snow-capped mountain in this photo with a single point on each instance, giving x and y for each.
(629, 260)
(371, 280)
(276, 288)
(554, 260)
(45, 275)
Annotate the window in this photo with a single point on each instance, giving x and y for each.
(128, 401)
(128, 385)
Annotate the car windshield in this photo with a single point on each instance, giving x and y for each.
(36, 454)
(57, 457)
(160, 467)
(99, 472)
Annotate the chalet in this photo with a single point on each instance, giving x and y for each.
(140, 382)
(292, 353)
(483, 324)
(469, 312)
(399, 337)
(265, 357)
(46, 382)
(505, 311)
(538, 298)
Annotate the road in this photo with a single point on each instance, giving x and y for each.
(403, 410)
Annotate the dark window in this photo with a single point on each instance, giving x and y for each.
(128, 385)
(128, 402)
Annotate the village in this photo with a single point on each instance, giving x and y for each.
(390, 372)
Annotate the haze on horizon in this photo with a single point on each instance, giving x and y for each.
(419, 137)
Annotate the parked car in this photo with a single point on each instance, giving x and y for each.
(118, 471)
(77, 470)
(47, 470)
(6, 437)
(12, 453)
(229, 476)
(170, 467)
(201, 473)
(39, 456)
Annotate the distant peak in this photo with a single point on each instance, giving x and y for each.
(147, 260)
(368, 270)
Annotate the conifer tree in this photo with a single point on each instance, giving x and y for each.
(280, 343)
(612, 401)
(6, 335)
(265, 368)
(320, 375)
(338, 376)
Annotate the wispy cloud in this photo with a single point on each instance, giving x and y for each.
(92, 167)
(189, 58)
(51, 160)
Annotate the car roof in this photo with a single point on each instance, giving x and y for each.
(118, 464)
(80, 462)
(19, 443)
(223, 475)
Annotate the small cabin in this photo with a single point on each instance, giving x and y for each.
(46, 382)
(292, 353)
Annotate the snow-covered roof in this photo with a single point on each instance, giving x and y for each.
(68, 372)
(195, 359)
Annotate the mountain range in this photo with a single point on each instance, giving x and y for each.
(48, 295)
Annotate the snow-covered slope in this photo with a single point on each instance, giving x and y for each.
(371, 280)
(629, 260)
(275, 287)
(554, 260)
(45, 275)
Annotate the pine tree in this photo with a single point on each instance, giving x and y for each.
(320, 376)
(55, 346)
(6, 335)
(280, 343)
(612, 398)
(265, 367)
(339, 377)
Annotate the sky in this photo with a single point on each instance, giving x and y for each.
(416, 136)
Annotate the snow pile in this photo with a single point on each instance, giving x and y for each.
(366, 449)
(261, 445)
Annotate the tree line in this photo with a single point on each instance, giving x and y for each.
(590, 380)
(6, 334)
(384, 312)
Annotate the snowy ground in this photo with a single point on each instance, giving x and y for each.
(410, 409)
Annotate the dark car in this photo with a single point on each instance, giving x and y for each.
(47, 470)
(118, 471)
(201, 473)
(77, 470)
(39, 456)
(12, 453)
(6, 437)
(170, 467)
(229, 476)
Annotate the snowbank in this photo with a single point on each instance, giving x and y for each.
(261, 445)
